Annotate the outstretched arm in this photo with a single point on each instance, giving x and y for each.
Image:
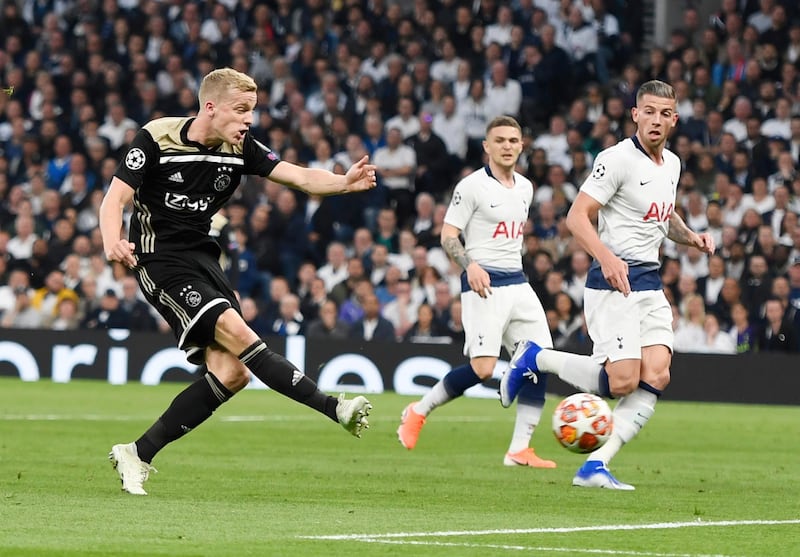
(680, 233)
(317, 181)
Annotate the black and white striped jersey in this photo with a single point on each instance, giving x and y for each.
(180, 184)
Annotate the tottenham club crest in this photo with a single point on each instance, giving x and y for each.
(135, 159)
(223, 179)
(192, 297)
(599, 171)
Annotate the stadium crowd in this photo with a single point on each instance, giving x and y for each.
(413, 85)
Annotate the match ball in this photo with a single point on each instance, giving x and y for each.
(582, 422)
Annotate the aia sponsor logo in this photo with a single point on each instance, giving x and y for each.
(509, 229)
(659, 213)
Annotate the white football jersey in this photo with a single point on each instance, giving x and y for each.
(492, 218)
(637, 198)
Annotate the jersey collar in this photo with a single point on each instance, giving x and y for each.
(489, 173)
(185, 137)
(638, 145)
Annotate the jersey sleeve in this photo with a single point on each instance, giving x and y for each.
(606, 177)
(258, 158)
(461, 207)
(139, 158)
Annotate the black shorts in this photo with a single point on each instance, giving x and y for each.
(190, 290)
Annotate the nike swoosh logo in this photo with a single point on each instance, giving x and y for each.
(493, 205)
(644, 182)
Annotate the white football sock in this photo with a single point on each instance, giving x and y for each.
(435, 397)
(630, 416)
(578, 370)
(528, 417)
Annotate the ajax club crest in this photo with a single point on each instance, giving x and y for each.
(223, 179)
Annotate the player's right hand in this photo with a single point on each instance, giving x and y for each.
(122, 251)
(615, 271)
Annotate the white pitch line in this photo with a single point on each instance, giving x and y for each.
(559, 530)
(546, 550)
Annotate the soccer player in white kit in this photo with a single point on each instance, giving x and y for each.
(490, 207)
(631, 194)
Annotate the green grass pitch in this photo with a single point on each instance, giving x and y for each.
(268, 477)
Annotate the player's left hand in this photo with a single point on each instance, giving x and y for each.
(705, 243)
(478, 280)
(361, 176)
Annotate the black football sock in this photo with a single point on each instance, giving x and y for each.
(189, 409)
(280, 375)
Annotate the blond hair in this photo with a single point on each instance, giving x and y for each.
(218, 82)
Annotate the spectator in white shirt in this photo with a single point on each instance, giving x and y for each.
(742, 109)
(323, 158)
(503, 95)
(689, 334)
(696, 217)
(334, 270)
(500, 31)
(20, 246)
(694, 262)
(554, 142)
(18, 281)
(761, 200)
(786, 173)
(450, 127)
(405, 120)
(116, 126)
(684, 102)
(735, 206)
(396, 164)
(376, 66)
(316, 103)
(715, 341)
(780, 125)
(446, 68)
(402, 311)
(762, 19)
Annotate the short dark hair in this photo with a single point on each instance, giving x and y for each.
(501, 121)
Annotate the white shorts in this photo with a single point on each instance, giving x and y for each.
(510, 314)
(621, 326)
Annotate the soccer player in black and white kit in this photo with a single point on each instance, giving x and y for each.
(179, 172)
(631, 195)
